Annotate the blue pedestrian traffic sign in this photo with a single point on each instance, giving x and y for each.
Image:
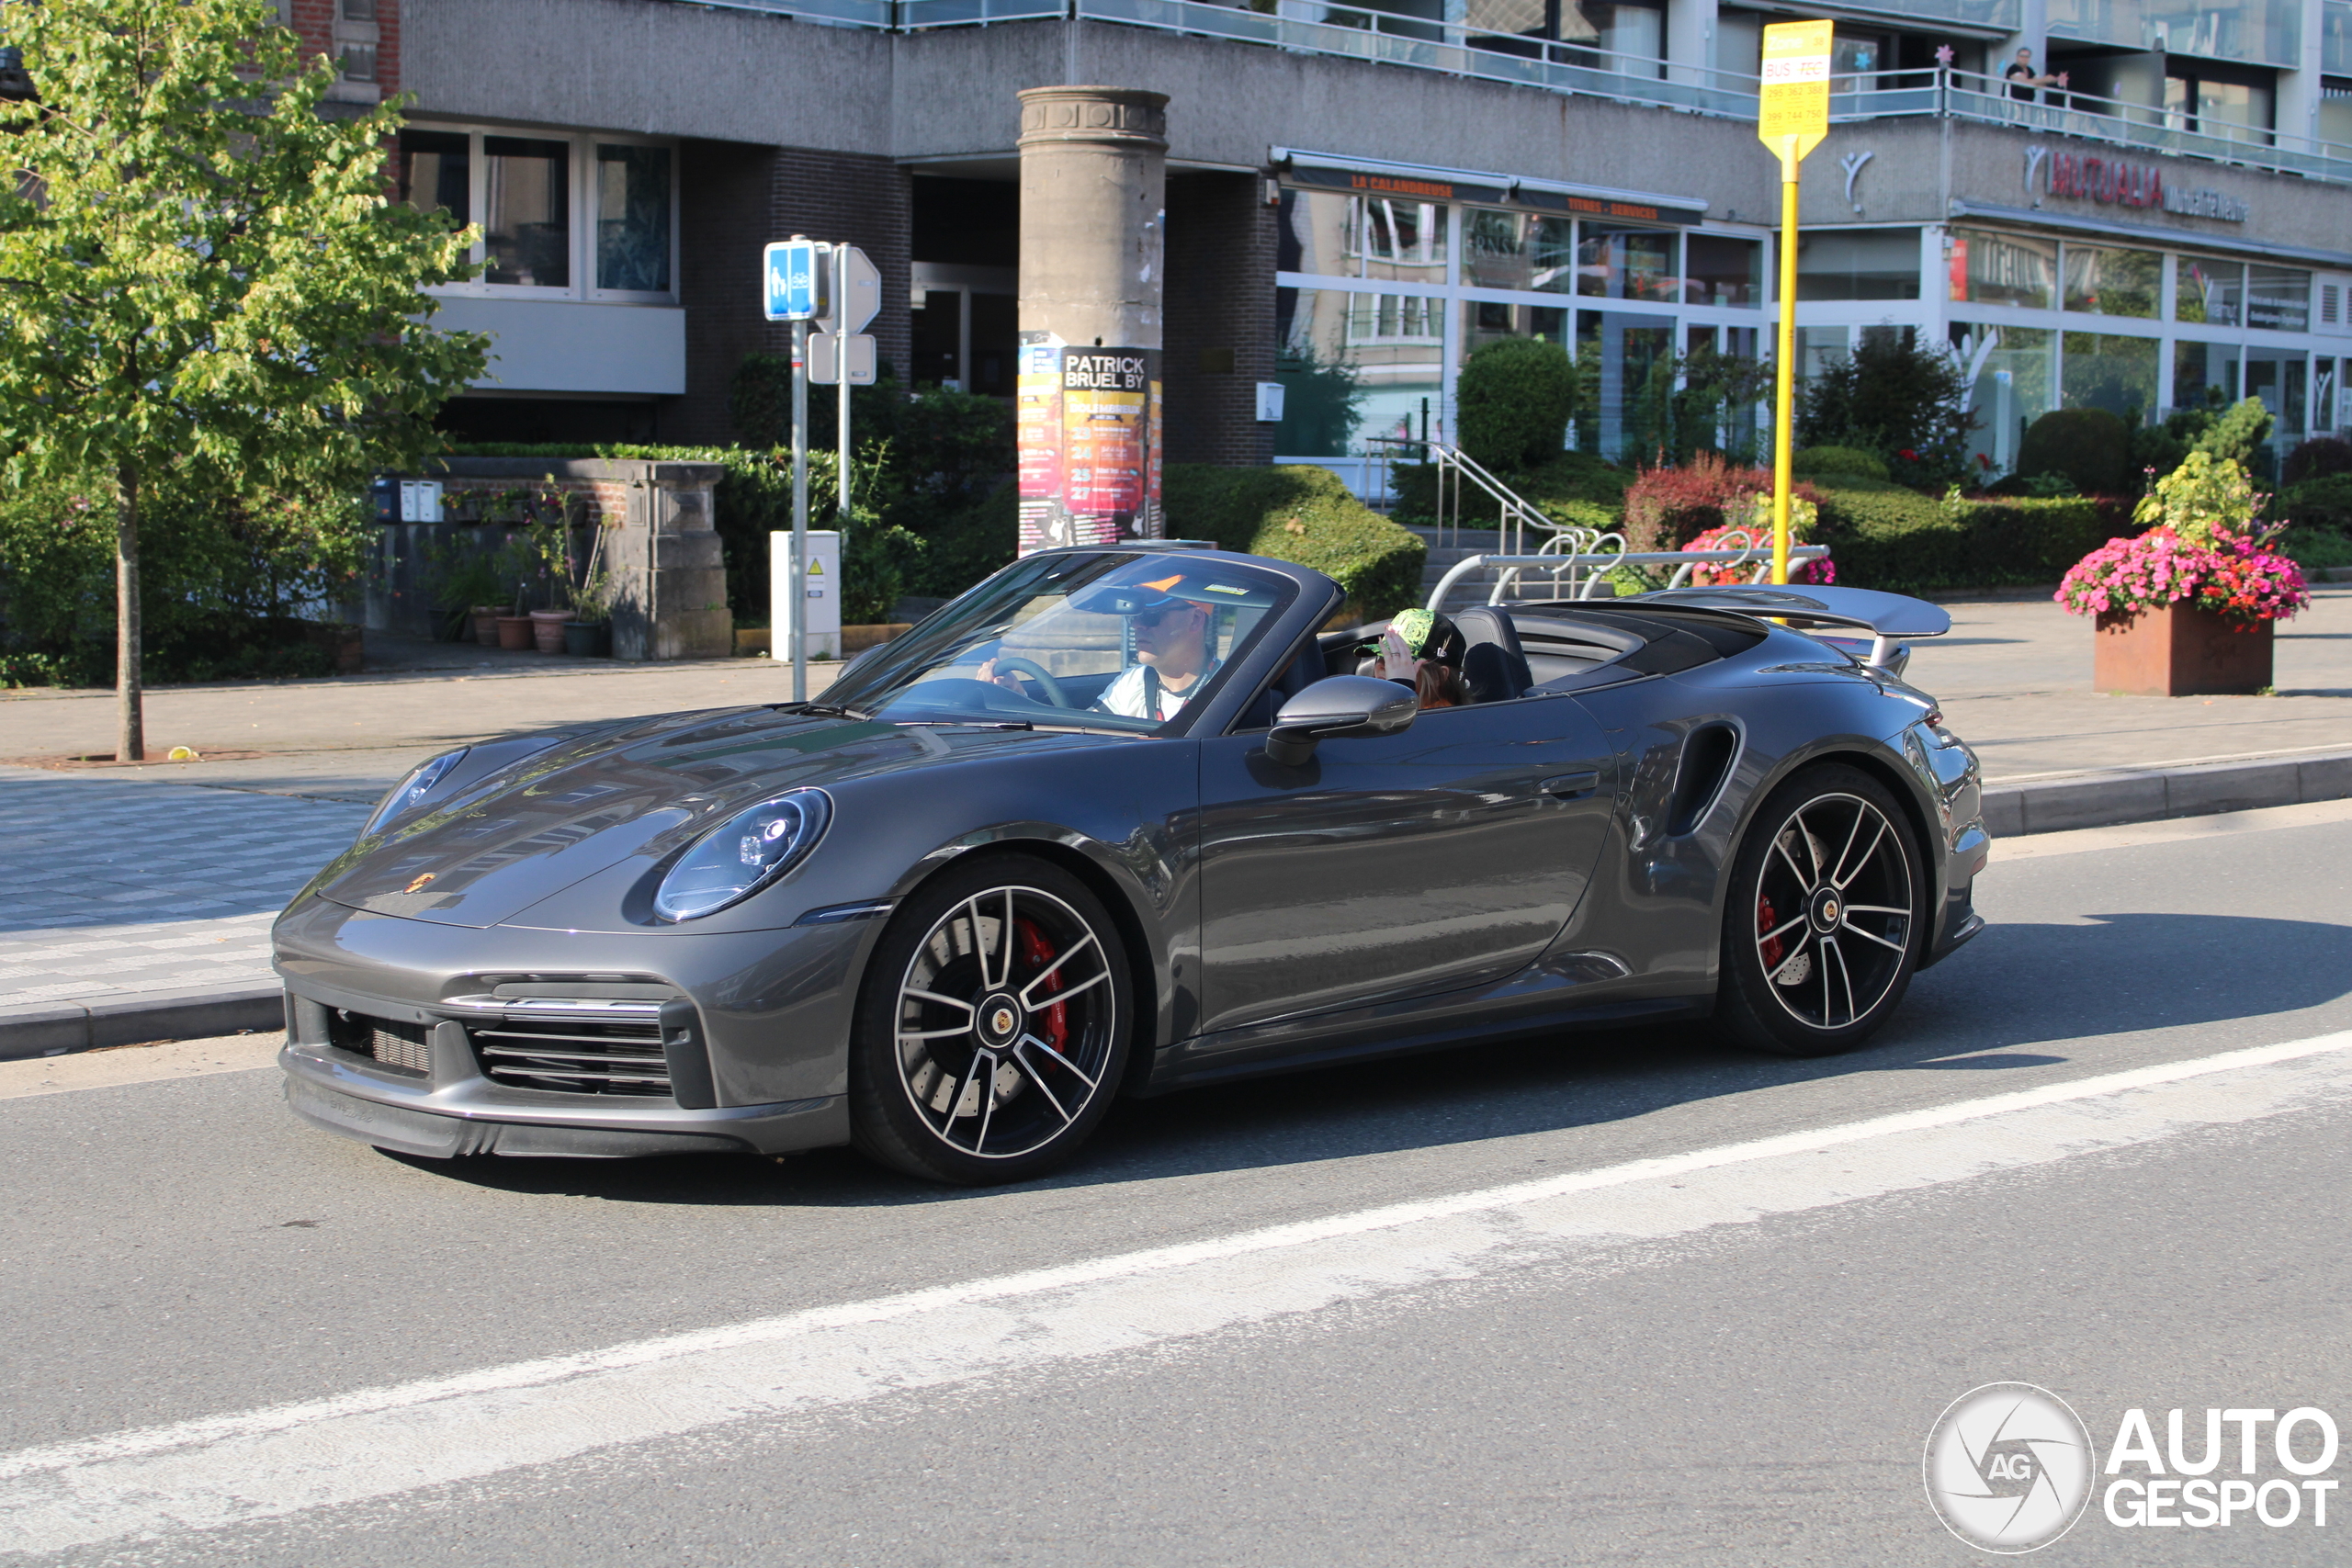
(793, 279)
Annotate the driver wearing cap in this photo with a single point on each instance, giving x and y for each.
(1172, 657)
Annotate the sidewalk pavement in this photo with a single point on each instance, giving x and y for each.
(143, 895)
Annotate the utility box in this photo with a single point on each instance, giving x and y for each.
(420, 501)
(1270, 402)
(820, 586)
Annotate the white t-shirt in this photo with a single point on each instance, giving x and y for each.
(1126, 694)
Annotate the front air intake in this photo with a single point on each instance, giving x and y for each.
(575, 1045)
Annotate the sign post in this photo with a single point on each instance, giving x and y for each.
(794, 289)
(843, 354)
(1792, 116)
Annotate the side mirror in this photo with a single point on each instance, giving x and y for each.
(1338, 707)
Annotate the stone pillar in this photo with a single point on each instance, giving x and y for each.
(669, 564)
(1093, 226)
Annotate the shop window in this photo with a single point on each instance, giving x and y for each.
(1403, 240)
(1628, 369)
(2277, 299)
(1627, 264)
(1317, 234)
(436, 173)
(1483, 321)
(1339, 390)
(2109, 282)
(2002, 269)
(1857, 263)
(2010, 385)
(1719, 269)
(633, 219)
(2205, 374)
(2114, 373)
(2276, 376)
(2212, 292)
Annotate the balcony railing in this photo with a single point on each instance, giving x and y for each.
(1312, 27)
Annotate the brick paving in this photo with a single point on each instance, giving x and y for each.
(120, 891)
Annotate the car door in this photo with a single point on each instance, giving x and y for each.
(1395, 866)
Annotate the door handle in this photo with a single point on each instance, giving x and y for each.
(1573, 786)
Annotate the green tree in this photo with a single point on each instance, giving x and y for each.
(205, 286)
(1514, 402)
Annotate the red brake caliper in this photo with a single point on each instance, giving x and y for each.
(1035, 954)
(1772, 947)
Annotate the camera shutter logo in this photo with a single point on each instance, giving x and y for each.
(2008, 1467)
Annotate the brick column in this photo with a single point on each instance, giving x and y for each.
(1220, 342)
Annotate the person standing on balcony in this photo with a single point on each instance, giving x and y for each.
(2023, 80)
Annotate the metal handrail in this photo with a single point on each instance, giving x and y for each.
(1685, 561)
(1514, 512)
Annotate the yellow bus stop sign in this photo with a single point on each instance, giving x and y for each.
(1795, 95)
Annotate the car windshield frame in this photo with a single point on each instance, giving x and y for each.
(874, 690)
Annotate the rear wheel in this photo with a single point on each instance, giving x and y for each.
(1827, 916)
(992, 1029)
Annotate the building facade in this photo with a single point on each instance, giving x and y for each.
(1357, 197)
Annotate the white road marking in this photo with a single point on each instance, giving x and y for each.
(138, 1063)
(381, 1442)
(2172, 830)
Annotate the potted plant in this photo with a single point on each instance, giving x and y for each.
(589, 632)
(2186, 608)
(466, 584)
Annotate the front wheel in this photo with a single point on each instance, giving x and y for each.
(992, 1029)
(1827, 916)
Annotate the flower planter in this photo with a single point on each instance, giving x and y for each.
(547, 629)
(588, 639)
(514, 633)
(486, 623)
(2176, 651)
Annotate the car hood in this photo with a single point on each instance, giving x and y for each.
(646, 788)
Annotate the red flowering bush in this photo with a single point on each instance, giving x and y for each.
(1666, 508)
(2203, 549)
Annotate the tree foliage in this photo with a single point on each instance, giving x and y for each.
(1514, 402)
(209, 302)
(1892, 397)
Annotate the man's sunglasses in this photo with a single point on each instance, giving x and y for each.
(1153, 617)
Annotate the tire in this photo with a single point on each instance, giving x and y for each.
(960, 1069)
(1814, 964)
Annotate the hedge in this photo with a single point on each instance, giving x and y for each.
(1906, 543)
(1303, 515)
(1574, 487)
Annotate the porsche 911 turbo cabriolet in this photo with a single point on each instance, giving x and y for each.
(1122, 820)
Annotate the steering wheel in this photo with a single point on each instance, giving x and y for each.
(1037, 672)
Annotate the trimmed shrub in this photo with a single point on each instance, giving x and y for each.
(1905, 399)
(2315, 549)
(1667, 508)
(1573, 486)
(2322, 502)
(2317, 458)
(1514, 400)
(2090, 447)
(1842, 460)
(1906, 543)
(1300, 514)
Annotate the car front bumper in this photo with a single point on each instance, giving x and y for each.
(337, 1092)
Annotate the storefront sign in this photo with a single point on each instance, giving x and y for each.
(2204, 203)
(1604, 206)
(1088, 428)
(2114, 182)
(1412, 187)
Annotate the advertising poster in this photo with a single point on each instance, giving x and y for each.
(1090, 441)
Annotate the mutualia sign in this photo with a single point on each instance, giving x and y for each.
(2115, 183)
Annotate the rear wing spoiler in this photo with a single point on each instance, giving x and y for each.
(1885, 616)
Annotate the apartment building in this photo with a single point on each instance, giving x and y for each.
(1375, 189)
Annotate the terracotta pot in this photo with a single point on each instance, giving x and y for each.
(547, 629)
(2180, 653)
(486, 623)
(514, 633)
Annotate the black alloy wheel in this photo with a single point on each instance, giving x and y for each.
(992, 1029)
(1827, 916)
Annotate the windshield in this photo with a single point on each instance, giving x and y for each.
(1107, 641)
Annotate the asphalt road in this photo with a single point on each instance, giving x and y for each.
(229, 1338)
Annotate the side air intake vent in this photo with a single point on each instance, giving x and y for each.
(1707, 754)
(399, 1047)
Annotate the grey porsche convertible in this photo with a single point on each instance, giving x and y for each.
(1122, 820)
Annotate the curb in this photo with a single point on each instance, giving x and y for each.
(2115, 796)
(61, 1029)
(2052, 804)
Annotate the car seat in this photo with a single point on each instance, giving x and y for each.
(1494, 667)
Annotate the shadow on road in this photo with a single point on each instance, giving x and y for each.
(2015, 987)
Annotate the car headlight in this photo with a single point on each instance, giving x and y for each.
(744, 854)
(413, 788)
